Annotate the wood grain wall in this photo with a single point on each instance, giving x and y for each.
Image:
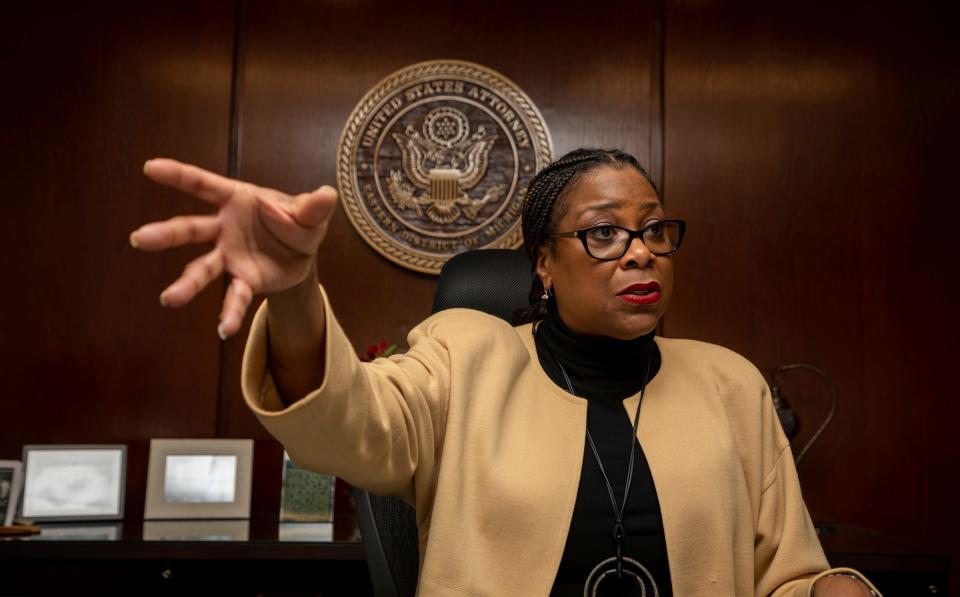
(90, 93)
(305, 66)
(809, 147)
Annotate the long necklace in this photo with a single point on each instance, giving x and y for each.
(615, 565)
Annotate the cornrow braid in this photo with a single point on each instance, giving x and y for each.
(543, 207)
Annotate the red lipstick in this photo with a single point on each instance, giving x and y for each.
(643, 293)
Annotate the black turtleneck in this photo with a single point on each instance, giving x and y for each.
(606, 371)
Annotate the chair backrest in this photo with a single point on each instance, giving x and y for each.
(496, 281)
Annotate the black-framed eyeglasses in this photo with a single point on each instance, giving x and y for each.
(607, 242)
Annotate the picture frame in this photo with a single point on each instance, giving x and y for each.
(64, 482)
(305, 496)
(11, 484)
(199, 479)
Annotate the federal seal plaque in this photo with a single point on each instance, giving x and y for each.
(436, 159)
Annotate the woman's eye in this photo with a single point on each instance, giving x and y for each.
(602, 232)
(655, 229)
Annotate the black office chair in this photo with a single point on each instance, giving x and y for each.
(496, 281)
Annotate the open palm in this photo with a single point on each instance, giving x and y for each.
(267, 240)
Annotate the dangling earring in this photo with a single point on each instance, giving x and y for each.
(542, 305)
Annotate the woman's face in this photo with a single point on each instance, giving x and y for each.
(595, 297)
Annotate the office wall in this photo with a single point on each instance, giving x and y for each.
(89, 93)
(808, 147)
(90, 354)
(306, 65)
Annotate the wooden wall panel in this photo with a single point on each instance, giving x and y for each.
(810, 148)
(88, 354)
(307, 64)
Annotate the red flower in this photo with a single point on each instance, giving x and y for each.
(379, 350)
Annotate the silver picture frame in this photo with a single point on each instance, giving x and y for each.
(11, 484)
(64, 482)
(199, 479)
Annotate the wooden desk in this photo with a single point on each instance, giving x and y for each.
(156, 558)
(132, 559)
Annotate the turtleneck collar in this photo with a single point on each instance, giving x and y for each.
(599, 367)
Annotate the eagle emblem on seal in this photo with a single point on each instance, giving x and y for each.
(435, 160)
(445, 161)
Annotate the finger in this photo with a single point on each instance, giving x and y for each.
(235, 304)
(175, 232)
(188, 178)
(313, 209)
(299, 223)
(196, 275)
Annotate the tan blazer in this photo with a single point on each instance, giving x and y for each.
(467, 427)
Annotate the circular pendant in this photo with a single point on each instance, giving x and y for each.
(631, 568)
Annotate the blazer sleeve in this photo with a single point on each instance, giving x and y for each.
(788, 557)
(377, 425)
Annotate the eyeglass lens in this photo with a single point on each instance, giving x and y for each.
(609, 242)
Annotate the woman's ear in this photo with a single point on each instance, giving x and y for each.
(544, 264)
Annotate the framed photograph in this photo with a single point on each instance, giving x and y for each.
(11, 482)
(199, 478)
(305, 496)
(73, 482)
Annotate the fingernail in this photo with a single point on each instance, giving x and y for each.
(133, 241)
(163, 298)
(220, 332)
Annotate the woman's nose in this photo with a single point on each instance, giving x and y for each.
(637, 255)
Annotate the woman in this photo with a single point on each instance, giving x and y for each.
(517, 445)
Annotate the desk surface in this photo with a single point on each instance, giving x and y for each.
(191, 540)
(272, 540)
(246, 558)
(303, 556)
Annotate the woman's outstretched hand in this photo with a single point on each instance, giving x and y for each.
(266, 239)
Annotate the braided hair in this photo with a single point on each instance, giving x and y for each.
(544, 206)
